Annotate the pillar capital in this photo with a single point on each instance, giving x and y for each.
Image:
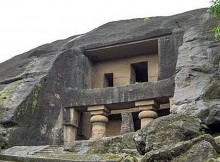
(99, 110)
(146, 105)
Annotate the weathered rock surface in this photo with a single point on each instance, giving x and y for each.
(197, 71)
(31, 95)
(201, 149)
(118, 144)
(165, 132)
(176, 138)
(211, 116)
(120, 148)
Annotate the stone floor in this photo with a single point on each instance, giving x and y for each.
(51, 154)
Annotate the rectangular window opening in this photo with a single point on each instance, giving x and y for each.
(108, 80)
(139, 72)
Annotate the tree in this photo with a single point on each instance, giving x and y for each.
(215, 11)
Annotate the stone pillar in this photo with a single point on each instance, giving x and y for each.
(146, 117)
(147, 111)
(71, 126)
(99, 120)
(171, 101)
(98, 126)
(127, 123)
(70, 132)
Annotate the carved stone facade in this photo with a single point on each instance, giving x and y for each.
(132, 79)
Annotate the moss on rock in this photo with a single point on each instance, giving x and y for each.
(8, 91)
(29, 105)
(217, 60)
(3, 144)
(202, 148)
(217, 139)
(166, 131)
(202, 69)
(35, 96)
(104, 145)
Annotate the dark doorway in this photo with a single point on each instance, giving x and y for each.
(139, 72)
(137, 121)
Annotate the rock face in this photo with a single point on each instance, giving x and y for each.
(175, 138)
(34, 85)
(203, 149)
(31, 87)
(197, 72)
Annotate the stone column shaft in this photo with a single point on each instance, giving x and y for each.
(98, 126)
(99, 120)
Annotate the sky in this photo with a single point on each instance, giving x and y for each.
(26, 24)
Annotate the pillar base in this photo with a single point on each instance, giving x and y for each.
(148, 111)
(70, 133)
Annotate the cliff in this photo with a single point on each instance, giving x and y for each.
(34, 86)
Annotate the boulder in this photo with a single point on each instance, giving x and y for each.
(176, 138)
(211, 117)
(197, 75)
(201, 149)
(165, 132)
(117, 144)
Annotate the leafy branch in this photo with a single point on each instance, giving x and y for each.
(215, 11)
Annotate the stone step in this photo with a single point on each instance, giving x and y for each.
(48, 159)
(49, 149)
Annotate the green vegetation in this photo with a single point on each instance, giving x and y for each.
(29, 105)
(3, 95)
(8, 91)
(3, 144)
(35, 96)
(146, 19)
(215, 11)
(216, 31)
